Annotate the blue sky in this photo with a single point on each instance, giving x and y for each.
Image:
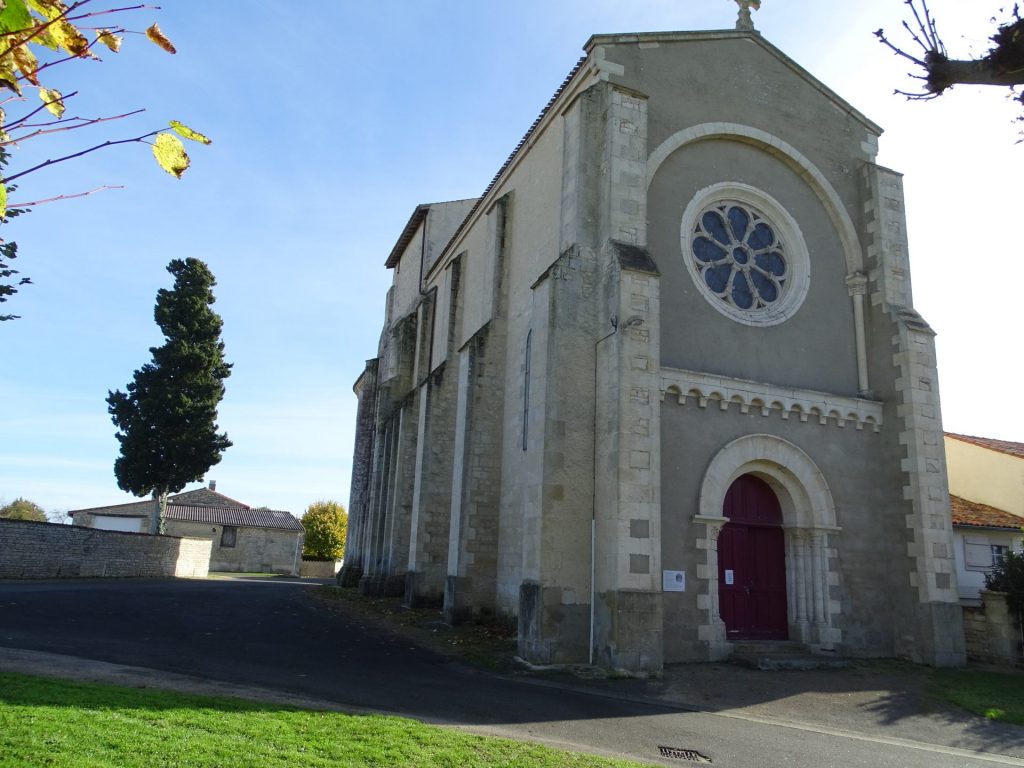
(331, 121)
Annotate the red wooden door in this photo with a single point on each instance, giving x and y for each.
(752, 563)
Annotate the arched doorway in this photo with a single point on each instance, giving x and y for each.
(752, 563)
(809, 533)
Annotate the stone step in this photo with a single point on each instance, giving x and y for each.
(769, 646)
(783, 655)
(801, 662)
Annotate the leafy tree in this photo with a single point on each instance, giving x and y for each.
(1007, 576)
(35, 37)
(326, 524)
(167, 419)
(1003, 64)
(23, 509)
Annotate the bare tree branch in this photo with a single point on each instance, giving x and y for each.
(12, 125)
(1003, 65)
(66, 124)
(105, 144)
(104, 188)
(87, 50)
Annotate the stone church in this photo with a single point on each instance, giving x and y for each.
(661, 389)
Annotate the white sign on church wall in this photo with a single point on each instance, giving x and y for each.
(673, 581)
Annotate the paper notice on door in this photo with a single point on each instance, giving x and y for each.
(729, 579)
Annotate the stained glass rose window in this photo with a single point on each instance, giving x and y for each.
(745, 253)
(739, 255)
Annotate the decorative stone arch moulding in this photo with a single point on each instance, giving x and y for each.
(805, 496)
(809, 519)
(798, 262)
(709, 390)
(789, 155)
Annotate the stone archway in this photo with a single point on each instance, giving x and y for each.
(809, 522)
(789, 155)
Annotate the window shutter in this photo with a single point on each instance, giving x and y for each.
(977, 553)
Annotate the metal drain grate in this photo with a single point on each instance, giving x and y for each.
(679, 753)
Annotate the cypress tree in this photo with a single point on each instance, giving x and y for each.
(167, 419)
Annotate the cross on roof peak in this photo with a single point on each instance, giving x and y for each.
(744, 21)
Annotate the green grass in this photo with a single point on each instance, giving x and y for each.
(995, 695)
(46, 722)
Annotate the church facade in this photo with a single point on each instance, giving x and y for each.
(661, 389)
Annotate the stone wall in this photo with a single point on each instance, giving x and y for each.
(255, 550)
(30, 550)
(992, 636)
(319, 569)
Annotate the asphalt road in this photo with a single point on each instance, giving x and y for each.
(269, 633)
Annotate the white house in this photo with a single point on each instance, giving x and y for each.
(986, 486)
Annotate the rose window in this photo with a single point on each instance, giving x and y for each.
(738, 256)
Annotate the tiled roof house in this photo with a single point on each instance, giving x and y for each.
(244, 538)
(986, 486)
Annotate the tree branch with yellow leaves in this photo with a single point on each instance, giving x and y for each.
(35, 37)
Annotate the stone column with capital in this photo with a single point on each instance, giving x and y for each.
(857, 285)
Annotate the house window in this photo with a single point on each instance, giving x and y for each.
(228, 535)
(980, 554)
(526, 387)
(998, 553)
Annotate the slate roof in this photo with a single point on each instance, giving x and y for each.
(974, 514)
(244, 517)
(1001, 446)
(519, 147)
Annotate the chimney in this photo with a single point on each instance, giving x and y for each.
(213, 485)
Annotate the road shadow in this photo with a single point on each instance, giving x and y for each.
(869, 696)
(374, 655)
(874, 697)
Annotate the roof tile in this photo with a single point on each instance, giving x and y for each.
(1002, 446)
(239, 516)
(978, 515)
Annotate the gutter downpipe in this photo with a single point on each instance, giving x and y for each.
(593, 507)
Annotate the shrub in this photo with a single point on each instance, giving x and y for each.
(1008, 576)
(326, 524)
(23, 509)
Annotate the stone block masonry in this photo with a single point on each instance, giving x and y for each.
(319, 569)
(30, 550)
(992, 634)
(548, 483)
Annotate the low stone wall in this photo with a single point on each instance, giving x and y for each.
(253, 550)
(319, 569)
(30, 550)
(992, 635)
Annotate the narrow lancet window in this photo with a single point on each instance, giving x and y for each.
(526, 388)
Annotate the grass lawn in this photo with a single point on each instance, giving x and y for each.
(45, 722)
(995, 695)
